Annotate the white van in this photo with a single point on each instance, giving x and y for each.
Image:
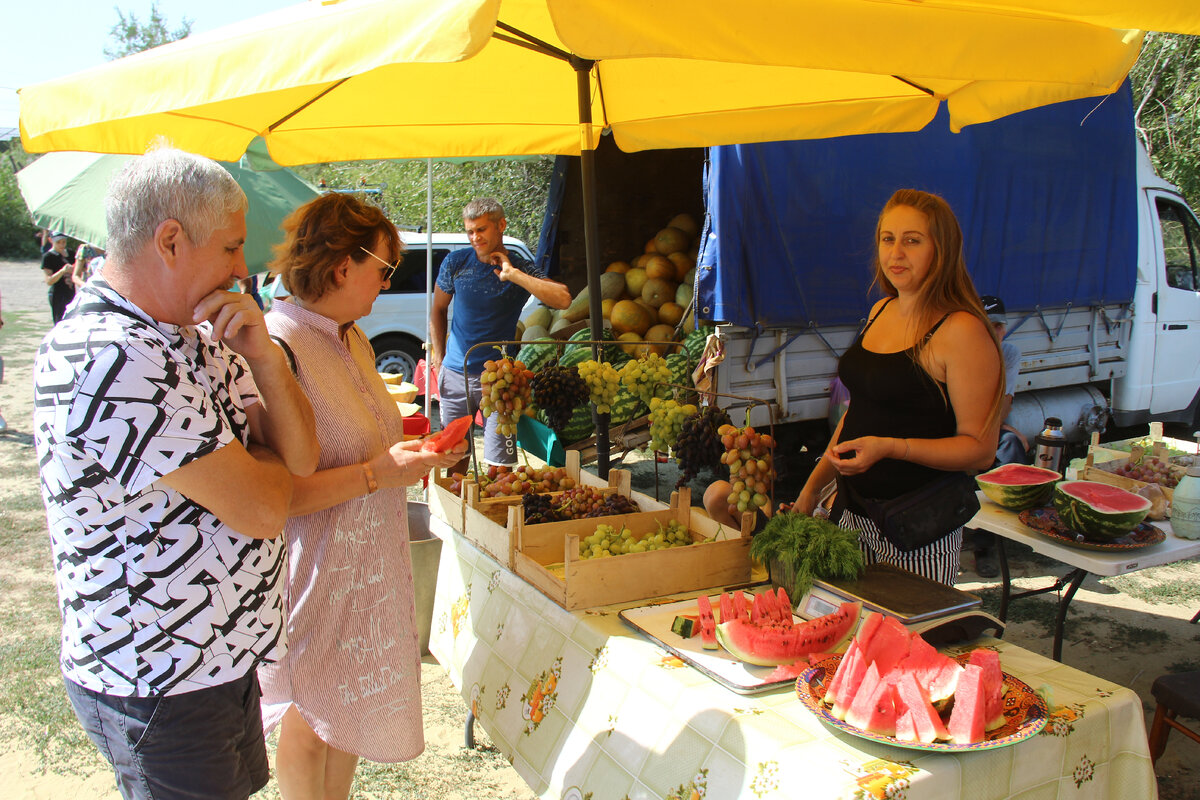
(397, 322)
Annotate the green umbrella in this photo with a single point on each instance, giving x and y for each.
(65, 192)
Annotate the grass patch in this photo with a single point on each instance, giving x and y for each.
(1150, 587)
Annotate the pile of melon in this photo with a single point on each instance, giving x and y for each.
(645, 299)
(893, 683)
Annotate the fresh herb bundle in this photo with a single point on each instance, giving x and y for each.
(810, 546)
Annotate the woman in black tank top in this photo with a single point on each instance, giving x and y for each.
(925, 378)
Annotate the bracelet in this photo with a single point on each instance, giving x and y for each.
(903, 457)
(369, 474)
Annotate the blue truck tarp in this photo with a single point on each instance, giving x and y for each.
(1046, 198)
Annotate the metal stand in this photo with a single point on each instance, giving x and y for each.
(469, 731)
(1072, 580)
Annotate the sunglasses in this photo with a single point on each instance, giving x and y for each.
(388, 269)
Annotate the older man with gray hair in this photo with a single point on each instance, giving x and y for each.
(168, 426)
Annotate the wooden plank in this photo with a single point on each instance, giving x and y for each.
(443, 503)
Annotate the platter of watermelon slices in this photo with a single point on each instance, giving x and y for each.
(892, 687)
(1046, 521)
(749, 643)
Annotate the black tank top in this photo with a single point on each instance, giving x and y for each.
(890, 395)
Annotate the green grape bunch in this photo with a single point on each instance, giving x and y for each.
(641, 375)
(506, 393)
(666, 422)
(603, 382)
(608, 541)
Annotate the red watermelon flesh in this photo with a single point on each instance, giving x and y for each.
(757, 615)
(906, 729)
(866, 631)
(708, 624)
(741, 610)
(834, 682)
(770, 612)
(936, 674)
(967, 719)
(912, 699)
(859, 703)
(850, 676)
(993, 686)
(726, 607)
(878, 714)
(888, 646)
(785, 602)
(786, 672)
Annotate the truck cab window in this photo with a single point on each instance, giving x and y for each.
(1181, 244)
(410, 275)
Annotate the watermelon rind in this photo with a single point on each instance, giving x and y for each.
(1085, 517)
(1035, 488)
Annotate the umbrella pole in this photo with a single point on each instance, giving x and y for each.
(587, 163)
(428, 280)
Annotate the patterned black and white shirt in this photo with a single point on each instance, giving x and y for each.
(158, 596)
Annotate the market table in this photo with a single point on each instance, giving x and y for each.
(1007, 526)
(585, 707)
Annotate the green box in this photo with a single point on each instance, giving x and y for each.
(541, 441)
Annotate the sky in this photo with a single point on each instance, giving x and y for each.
(50, 38)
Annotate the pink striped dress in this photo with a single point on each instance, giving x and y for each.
(352, 666)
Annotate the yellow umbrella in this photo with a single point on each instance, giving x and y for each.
(364, 79)
(410, 78)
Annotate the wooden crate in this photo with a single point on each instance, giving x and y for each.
(1099, 467)
(485, 520)
(443, 503)
(547, 556)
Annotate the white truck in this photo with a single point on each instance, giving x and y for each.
(1096, 258)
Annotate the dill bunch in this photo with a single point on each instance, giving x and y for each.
(810, 547)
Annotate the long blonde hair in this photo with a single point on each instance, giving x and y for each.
(947, 286)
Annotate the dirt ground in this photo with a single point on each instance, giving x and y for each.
(1127, 630)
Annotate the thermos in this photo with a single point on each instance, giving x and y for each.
(1185, 503)
(1050, 445)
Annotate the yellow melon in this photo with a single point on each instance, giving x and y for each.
(618, 266)
(683, 294)
(660, 267)
(606, 307)
(682, 264)
(640, 261)
(670, 313)
(671, 240)
(628, 316)
(632, 344)
(685, 223)
(651, 247)
(657, 291)
(635, 279)
(660, 333)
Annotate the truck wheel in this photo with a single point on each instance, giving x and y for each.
(396, 354)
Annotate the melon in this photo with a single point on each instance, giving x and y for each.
(683, 264)
(888, 646)
(936, 674)
(855, 669)
(671, 240)
(874, 707)
(993, 687)
(686, 223)
(635, 279)
(708, 624)
(657, 291)
(1097, 510)
(618, 266)
(660, 267)
(927, 726)
(967, 719)
(628, 316)
(670, 314)
(774, 641)
(1018, 486)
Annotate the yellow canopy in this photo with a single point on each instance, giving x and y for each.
(358, 79)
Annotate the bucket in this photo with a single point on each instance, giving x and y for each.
(426, 550)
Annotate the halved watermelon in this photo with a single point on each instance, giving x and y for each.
(967, 721)
(1018, 486)
(993, 686)
(771, 643)
(1097, 510)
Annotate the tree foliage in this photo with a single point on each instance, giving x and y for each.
(521, 186)
(16, 226)
(1166, 93)
(129, 35)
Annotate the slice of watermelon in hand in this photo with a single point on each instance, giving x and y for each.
(448, 437)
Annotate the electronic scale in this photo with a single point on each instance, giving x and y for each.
(941, 614)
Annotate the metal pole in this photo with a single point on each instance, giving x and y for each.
(428, 280)
(591, 236)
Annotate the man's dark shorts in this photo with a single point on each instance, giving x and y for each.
(202, 744)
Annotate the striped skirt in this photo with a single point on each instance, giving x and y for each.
(938, 560)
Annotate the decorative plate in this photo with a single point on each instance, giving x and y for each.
(1046, 521)
(1025, 712)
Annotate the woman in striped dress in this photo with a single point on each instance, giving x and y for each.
(349, 685)
(925, 379)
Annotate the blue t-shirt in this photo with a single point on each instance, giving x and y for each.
(486, 309)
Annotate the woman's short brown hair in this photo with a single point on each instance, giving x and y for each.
(321, 233)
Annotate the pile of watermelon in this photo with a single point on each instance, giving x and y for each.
(893, 683)
(762, 631)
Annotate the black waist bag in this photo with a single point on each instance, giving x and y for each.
(921, 516)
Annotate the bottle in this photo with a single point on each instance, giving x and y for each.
(1050, 444)
(1185, 502)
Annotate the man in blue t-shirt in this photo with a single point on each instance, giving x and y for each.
(489, 286)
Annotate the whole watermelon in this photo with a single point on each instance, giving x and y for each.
(536, 355)
(626, 406)
(681, 368)
(612, 353)
(578, 427)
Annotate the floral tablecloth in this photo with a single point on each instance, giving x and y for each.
(585, 708)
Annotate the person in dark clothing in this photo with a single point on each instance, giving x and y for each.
(925, 380)
(58, 266)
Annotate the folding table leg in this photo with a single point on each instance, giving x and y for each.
(1077, 577)
(1005, 585)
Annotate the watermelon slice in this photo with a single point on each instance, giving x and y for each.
(967, 719)
(888, 646)
(877, 713)
(708, 624)
(771, 642)
(867, 628)
(906, 729)
(726, 607)
(786, 672)
(936, 674)
(785, 602)
(741, 609)
(850, 676)
(834, 682)
(445, 440)
(993, 686)
(927, 725)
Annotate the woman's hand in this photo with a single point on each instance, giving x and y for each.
(405, 463)
(856, 456)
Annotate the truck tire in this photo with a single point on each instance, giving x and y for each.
(396, 353)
